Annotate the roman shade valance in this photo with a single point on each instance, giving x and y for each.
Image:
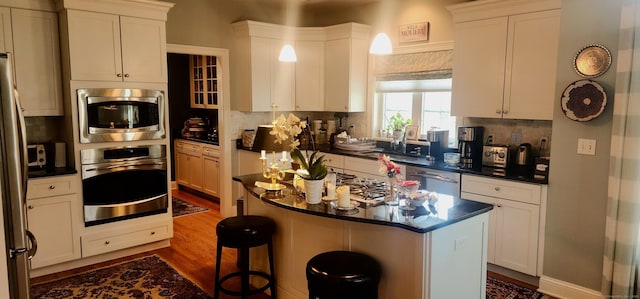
(414, 66)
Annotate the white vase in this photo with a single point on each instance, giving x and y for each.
(313, 191)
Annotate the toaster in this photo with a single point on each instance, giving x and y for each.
(495, 156)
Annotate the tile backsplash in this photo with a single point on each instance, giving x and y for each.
(44, 129)
(501, 129)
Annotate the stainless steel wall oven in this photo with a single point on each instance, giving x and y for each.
(123, 182)
(108, 114)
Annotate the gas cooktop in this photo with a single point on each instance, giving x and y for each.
(369, 191)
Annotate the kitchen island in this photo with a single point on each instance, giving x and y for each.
(436, 251)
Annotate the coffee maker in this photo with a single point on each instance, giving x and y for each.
(470, 147)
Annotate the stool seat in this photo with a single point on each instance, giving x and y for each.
(244, 232)
(343, 274)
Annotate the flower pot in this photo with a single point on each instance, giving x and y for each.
(313, 191)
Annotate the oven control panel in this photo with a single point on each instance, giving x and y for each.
(495, 156)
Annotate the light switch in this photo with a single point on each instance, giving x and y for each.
(587, 146)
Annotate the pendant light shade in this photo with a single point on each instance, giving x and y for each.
(287, 54)
(381, 45)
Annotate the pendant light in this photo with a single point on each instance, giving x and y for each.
(381, 45)
(287, 54)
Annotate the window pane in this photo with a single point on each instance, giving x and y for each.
(396, 102)
(436, 113)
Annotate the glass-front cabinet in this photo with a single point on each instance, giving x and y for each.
(204, 81)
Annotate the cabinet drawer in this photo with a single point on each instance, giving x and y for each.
(333, 161)
(188, 147)
(210, 151)
(522, 192)
(106, 242)
(46, 187)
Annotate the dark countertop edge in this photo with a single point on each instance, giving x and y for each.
(200, 140)
(421, 162)
(431, 228)
(49, 173)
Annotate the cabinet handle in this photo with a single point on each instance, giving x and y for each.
(505, 111)
(498, 111)
(30, 207)
(119, 75)
(106, 242)
(496, 188)
(499, 205)
(153, 233)
(51, 187)
(126, 75)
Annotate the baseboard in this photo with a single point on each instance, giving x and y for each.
(532, 280)
(562, 289)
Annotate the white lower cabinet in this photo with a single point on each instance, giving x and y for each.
(54, 216)
(366, 168)
(211, 171)
(515, 240)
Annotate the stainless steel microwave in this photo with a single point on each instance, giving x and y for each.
(111, 115)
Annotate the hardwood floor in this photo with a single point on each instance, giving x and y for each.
(192, 250)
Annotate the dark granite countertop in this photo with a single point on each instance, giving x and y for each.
(47, 172)
(513, 173)
(202, 140)
(447, 210)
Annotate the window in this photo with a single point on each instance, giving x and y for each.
(426, 102)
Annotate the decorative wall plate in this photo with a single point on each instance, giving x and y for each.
(592, 61)
(583, 100)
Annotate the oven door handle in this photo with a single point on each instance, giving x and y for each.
(90, 172)
(431, 175)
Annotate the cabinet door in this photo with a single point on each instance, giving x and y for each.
(182, 168)
(144, 50)
(337, 75)
(283, 78)
(260, 83)
(52, 221)
(195, 172)
(516, 231)
(37, 61)
(530, 79)
(6, 38)
(309, 76)
(478, 68)
(211, 178)
(94, 46)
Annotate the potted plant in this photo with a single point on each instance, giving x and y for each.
(312, 168)
(397, 125)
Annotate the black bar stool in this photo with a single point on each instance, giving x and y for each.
(342, 275)
(244, 232)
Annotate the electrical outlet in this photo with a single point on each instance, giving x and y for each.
(516, 138)
(587, 146)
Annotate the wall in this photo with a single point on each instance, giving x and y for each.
(574, 237)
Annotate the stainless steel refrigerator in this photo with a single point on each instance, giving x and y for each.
(19, 243)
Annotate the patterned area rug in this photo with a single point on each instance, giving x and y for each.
(498, 289)
(181, 207)
(144, 278)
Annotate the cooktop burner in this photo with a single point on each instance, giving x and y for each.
(363, 189)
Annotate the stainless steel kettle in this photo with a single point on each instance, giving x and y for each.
(524, 155)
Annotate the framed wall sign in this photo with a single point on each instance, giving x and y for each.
(416, 32)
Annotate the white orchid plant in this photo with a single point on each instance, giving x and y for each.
(290, 127)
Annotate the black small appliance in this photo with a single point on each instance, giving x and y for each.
(470, 147)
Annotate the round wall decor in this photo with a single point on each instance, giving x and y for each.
(583, 100)
(592, 61)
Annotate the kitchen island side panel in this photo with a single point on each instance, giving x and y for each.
(415, 265)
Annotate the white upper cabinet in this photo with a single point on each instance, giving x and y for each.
(346, 63)
(108, 47)
(330, 74)
(505, 57)
(310, 75)
(36, 55)
(260, 81)
(6, 39)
